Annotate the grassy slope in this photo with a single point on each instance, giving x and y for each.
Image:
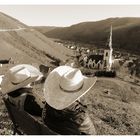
(118, 111)
(30, 39)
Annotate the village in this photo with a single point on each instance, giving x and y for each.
(103, 61)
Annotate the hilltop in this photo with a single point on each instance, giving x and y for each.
(7, 22)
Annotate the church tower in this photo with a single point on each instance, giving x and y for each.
(108, 53)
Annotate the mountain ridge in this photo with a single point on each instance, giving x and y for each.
(126, 32)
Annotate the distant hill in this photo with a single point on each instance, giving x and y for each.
(126, 33)
(43, 29)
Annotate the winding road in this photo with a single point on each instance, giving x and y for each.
(11, 30)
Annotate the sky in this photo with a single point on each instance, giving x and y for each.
(66, 15)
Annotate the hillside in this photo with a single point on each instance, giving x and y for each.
(31, 42)
(126, 33)
(116, 112)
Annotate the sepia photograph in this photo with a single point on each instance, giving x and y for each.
(70, 70)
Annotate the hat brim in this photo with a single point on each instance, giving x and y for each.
(60, 99)
(7, 86)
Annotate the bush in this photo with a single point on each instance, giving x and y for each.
(105, 73)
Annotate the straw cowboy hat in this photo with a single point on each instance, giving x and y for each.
(19, 76)
(64, 85)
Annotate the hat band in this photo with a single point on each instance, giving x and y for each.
(70, 91)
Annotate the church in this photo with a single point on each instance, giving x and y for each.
(100, 59)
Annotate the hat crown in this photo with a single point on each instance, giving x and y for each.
(19, 75)
(71, 80)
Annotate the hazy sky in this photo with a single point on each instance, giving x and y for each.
(66, 15)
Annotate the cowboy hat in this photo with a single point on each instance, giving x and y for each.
(64, 85)
(19, 76)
